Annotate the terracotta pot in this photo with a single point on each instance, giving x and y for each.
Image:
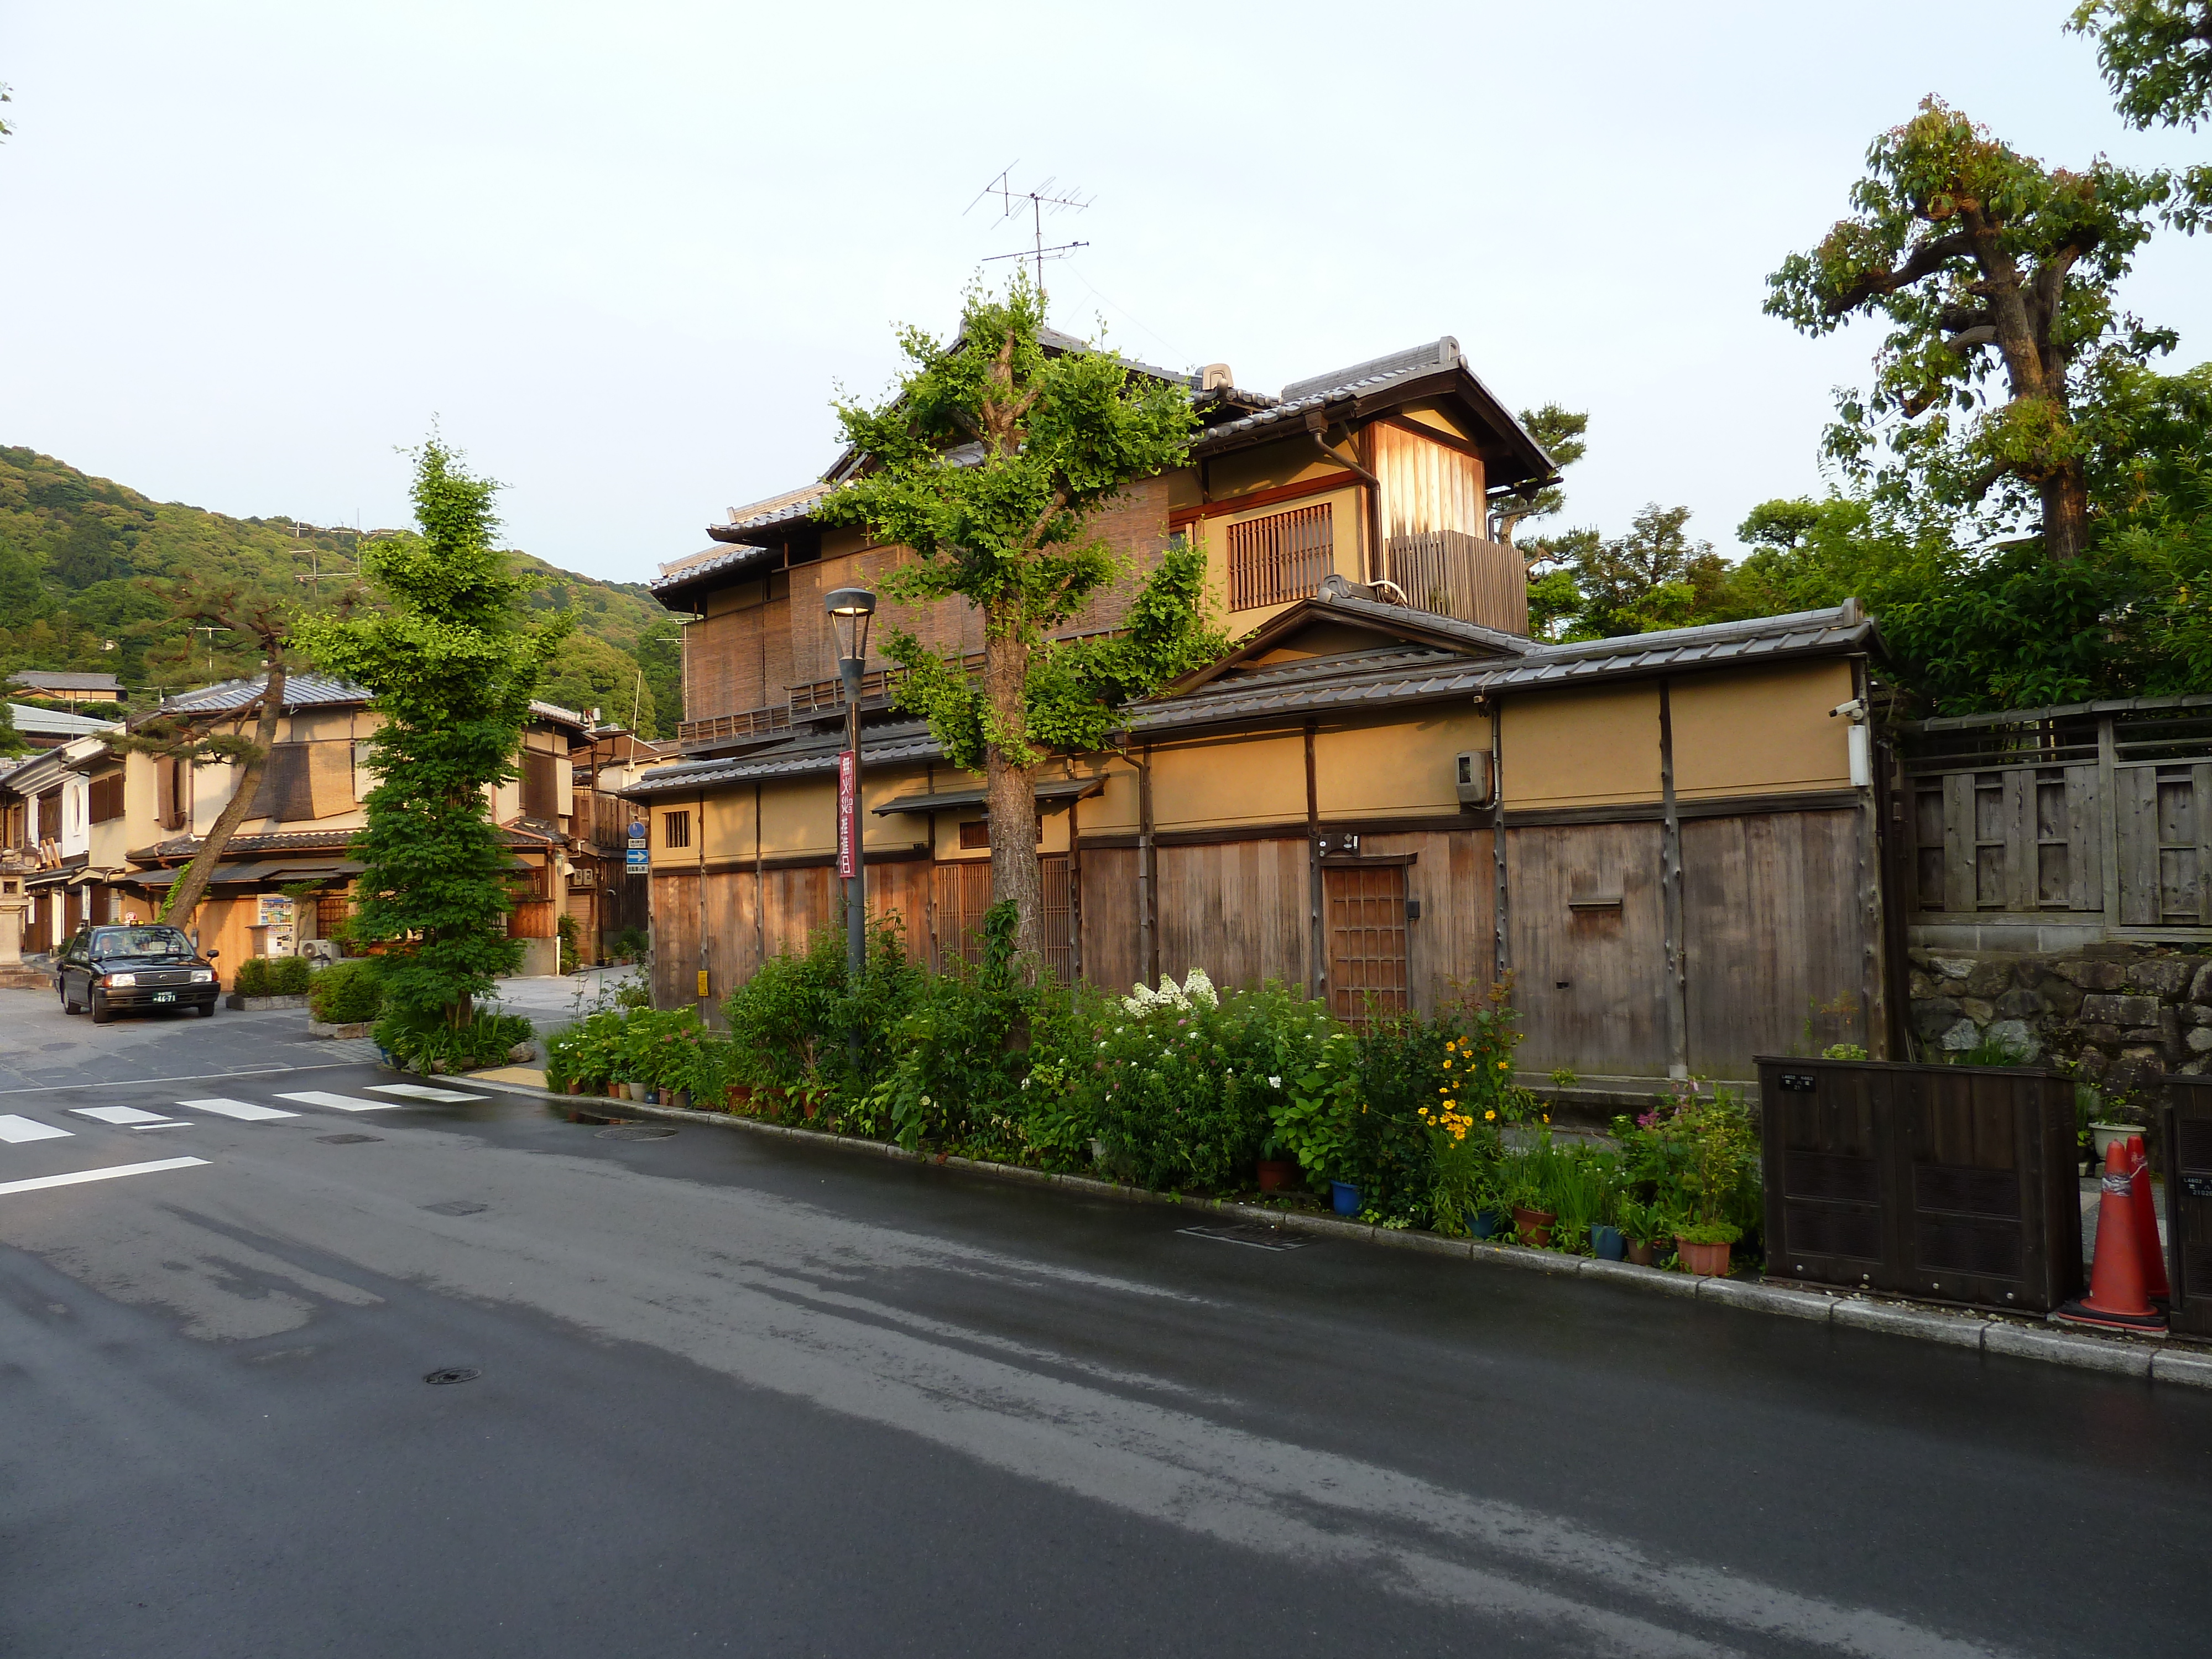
(1639, 1252)
(575, 1085)
(1276, 1174)
(617, 1092)
(1706, 1260)
(736, 1096)
(1534, 1226)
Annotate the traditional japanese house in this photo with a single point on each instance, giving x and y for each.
(1668, 842)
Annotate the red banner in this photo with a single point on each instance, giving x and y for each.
(848, 816)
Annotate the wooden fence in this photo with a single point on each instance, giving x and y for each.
(1281, 557)
(1454, 574)
(2097, 812)
(1953, 1183)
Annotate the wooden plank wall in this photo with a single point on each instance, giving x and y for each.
(1772, 929)
(1451, 948)
(1111, 937)
(1588, 982)
(1237, 909)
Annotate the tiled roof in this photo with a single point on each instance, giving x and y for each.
(908, 740)
(296, 840)
(40, 679)
(301, 691)
(52, 723)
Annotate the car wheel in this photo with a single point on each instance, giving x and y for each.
(68, 1006)
(101, 1014)
(207, 1011)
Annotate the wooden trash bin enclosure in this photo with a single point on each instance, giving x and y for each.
(2188, 1128)
(1953, 1183)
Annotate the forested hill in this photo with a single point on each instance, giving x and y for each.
(77, 553)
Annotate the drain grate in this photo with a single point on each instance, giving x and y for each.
(455, 1206)
(634, 1132)
(453, 1374)
(1258, 1234)
(346, 1140)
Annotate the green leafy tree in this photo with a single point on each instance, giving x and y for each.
(453, 666)
(989, 460)
(1982, 260)
(2156, 56)
(12, 742)
(1561, 432)
(659, 653)
(589, 673)
(1655, 576)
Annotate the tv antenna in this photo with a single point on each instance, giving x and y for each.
(1041, 199)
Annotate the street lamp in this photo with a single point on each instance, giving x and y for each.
(850, 609)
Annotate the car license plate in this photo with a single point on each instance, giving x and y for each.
(165, 996)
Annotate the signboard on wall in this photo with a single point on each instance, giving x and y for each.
(272, 910)
(849, 827)
(634, 859)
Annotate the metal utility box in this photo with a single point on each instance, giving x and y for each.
(2188, 1131)
(1955, 1183)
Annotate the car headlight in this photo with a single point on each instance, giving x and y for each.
(122, 979)
(202, 975)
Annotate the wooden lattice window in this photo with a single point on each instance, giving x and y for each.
(541, 786)
(332, 912)
(675, 828)
(1366, 939)
(1279, 558)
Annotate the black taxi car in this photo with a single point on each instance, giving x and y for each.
(129, 969)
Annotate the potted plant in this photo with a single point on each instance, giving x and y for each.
(1277, 1171)
(1702, 1247)
(1531, 1220)
(1641, 1225)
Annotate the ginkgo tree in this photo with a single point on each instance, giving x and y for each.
(990, 460)
(1996, 276)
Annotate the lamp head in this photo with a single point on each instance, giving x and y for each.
(850, 608)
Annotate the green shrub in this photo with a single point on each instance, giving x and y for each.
(477, 1043)
(792, 1025)
(565, 928)
(347, 993)
(273, 976)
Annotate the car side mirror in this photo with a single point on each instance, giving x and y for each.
(212, 955)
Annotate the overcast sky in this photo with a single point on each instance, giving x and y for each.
(625, 252)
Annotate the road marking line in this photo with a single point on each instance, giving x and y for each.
(109, 1174)
(416, 1091)
(340, 1102)
(16, 1130)
(129, 1117)
(199, 1077)
(245, 1111)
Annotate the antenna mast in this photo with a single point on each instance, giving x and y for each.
(1040, 199)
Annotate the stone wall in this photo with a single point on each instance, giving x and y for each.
(2124, 1017)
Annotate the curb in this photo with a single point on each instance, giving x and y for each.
(2015, 1339)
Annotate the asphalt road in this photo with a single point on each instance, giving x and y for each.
(740, 1396)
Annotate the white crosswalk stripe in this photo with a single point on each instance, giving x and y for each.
(109, 1174)
(245, 1111)
(128, 1117)
(16, 1130)
(340, 1102)
(416, 1091)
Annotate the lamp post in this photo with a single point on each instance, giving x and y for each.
(850, 608)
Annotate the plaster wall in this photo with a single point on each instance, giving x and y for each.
(1760, 732)
(1598, 747)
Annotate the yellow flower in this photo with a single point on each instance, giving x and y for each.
(1548, 1117)
(1489, 1116)
(1501, 1065)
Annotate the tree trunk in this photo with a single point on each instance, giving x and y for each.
(185, 894)
(2065, 514)
(1009, 793)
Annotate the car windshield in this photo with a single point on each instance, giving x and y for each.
(140, 942)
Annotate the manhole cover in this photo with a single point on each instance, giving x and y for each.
(454, 1374)
(1258, 1234)
(346, 1140)
(634, 1132)
(454, 1206)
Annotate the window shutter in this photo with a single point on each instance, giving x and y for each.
(164, 791)
(541, 790)
(287, 786)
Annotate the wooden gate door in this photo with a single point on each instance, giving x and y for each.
(1367, 909)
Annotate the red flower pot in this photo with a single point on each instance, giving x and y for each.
(1276, 1174)
(1706, 1260)
(575, 1085)
(1534, 1226)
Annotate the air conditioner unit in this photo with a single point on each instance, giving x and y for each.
(1477, 781)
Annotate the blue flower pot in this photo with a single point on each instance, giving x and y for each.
(1610, 1243)
(1484, 1224)
(1344, 1198)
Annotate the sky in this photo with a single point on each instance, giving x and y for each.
(624, 256)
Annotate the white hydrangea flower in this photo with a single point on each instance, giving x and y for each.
(1274, 1083)
(1198, 988)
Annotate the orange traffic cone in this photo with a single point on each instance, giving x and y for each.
(2116, 1295)
(2146, 1209)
